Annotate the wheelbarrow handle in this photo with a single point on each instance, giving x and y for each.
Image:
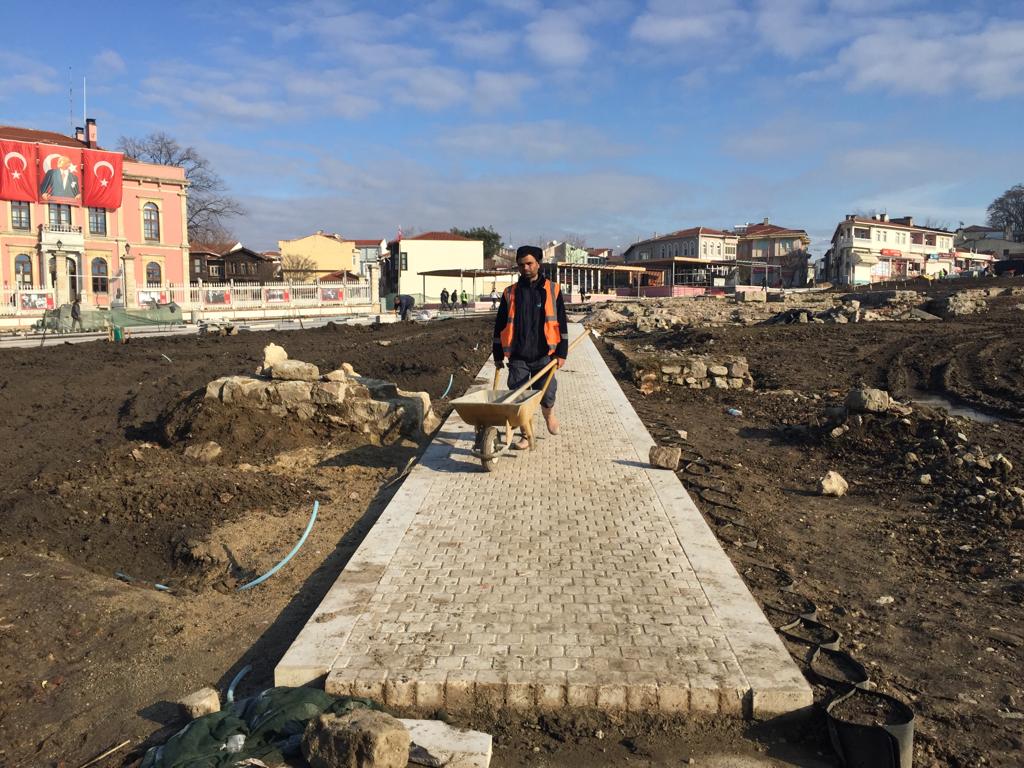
(497, 375)
(550, 367)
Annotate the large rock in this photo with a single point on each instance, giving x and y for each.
(205, 453)
(364, 738)
(203, 702)
(291, 394)
(294, 370)
(833, 484)
(665, 456)
(272, 355)
(867, 400)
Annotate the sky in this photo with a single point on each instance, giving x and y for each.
(605, 120)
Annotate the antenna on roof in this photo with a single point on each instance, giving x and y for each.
(71, 106)
(85, 111)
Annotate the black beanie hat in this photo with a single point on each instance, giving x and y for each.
(529, 250)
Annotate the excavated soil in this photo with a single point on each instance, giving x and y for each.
(922, 582)
(94, 483)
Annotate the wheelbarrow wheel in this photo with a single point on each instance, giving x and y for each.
(489, 448)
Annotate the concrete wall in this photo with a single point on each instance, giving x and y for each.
(429, 255)
(327, 253)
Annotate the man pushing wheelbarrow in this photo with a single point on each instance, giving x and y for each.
(530, 331)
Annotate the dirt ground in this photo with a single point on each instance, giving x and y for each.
(923, 582)
(92, 485)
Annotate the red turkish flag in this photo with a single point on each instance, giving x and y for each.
(102, 179)
(18, 171)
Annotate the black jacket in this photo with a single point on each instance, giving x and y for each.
(528, 342)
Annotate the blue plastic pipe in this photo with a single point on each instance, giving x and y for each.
(450, 380)
(289, 556)
(229, 697)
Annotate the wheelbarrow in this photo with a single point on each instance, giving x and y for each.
(490, 409)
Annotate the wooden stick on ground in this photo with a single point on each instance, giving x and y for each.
(108, 753)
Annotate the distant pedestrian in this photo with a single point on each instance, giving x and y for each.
(444, 299)
(76, 314)
(494, 298)
(404, 303)
(454, 298)
(465, 301)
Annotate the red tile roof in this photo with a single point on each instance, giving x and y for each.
(14, 133)
(367, 243)
(342, 275)
(770, 229)
(890, 223)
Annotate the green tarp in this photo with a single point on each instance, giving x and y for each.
(268, 727)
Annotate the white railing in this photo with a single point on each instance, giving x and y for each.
(29, 301)
(16, 302)
(238, 295)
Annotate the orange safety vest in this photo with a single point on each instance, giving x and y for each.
(552, 334)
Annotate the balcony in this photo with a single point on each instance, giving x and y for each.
(70, 237)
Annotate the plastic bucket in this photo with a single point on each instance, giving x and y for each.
(889, 745)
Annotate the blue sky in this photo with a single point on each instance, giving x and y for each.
(604, 119)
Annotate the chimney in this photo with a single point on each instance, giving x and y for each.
(80, 134)
(764, 220)
(90, 133)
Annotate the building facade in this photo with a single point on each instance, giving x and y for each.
(368, 254)
(223, 262)
(877, 248)
(774, 256)
(430, 251)
(1002, 244)
(56, 247)
(699, 243)
(313, 256)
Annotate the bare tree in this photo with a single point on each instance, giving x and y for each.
(1007, 211)
(578, 241)
(295, 265)
(208, 203)
(930, 223)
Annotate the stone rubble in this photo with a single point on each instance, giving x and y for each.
(833, 484)
(363, 738)
(652, 370)
(295, 389)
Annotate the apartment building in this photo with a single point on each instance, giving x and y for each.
(772, 255)
(879, 248)
(698, 243)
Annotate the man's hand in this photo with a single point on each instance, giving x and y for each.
(561, 361)
(499, 364)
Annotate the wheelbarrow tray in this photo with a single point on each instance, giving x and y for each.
(483, 409)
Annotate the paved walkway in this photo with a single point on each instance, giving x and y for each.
(572, 576)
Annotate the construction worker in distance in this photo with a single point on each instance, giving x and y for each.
(530, 330)
(403, 304)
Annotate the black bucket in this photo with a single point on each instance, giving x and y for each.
(885, 745)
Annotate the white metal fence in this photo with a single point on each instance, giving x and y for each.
(229, 295)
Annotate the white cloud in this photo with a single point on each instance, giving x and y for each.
(795, 134)
(934, 55)
(557, 38)
(428, 88)
(107, 62)
(539, 142)
(499, 91)
(674, 23)
(521, 206)
(24, 74)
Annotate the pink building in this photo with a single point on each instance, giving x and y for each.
(56, 246)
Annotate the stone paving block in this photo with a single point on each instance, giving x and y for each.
(609, 591)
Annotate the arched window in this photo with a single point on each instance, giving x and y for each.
(23, 271)
(153, 276)
(151, 221)
(100, 281)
